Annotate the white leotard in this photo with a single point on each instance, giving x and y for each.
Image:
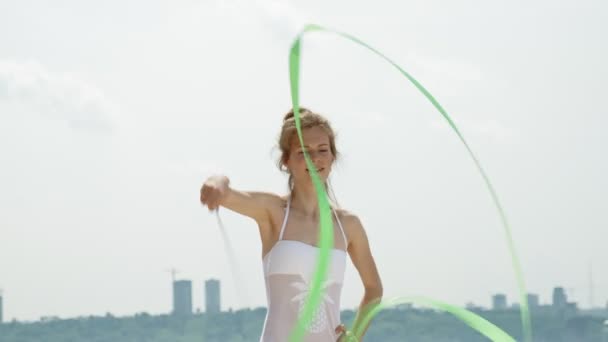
(288, 271)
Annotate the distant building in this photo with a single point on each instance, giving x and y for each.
(596, 312)
(499, 302)
(1, 318)
(182, 297)
(212, 296)
(533, 302)
(560, 301)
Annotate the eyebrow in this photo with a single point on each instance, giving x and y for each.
(322, 145)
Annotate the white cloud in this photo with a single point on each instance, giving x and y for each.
(56, 95)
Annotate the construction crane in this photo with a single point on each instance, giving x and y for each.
(173, 272)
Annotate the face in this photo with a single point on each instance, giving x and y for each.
(316, 142)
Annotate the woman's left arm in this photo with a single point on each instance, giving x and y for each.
(363, 260)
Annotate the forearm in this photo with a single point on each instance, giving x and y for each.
(371, 298)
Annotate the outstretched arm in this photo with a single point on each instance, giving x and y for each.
(216, 192)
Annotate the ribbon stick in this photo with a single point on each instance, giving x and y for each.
(234, 266)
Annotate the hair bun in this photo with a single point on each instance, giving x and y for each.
(290, 114)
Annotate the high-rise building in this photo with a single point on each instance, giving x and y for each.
(559, 298)
(1, 321)
(182, 297)
(212, 296)
(499, 302)
(532, 300)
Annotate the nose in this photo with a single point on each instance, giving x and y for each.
(314, 155)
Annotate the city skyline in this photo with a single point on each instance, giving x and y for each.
(183, 290)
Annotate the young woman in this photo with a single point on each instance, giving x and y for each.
(289, 230)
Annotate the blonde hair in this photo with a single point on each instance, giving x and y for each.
(308, 119)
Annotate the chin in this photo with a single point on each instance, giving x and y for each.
(323, 178)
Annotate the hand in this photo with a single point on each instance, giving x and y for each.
(345, 335)
(213, 191)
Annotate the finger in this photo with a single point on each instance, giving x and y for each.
(208, 197)
(212, 201)
(204, 195)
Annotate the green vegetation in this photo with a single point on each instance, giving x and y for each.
(246, 325)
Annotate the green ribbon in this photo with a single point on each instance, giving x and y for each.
(473, 320)
(326, 240)
(327, 237)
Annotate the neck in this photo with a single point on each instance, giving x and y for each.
(304, 199)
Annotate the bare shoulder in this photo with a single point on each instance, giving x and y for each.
(348, 218)
(275, 205)
(276, 201)
(353, 228)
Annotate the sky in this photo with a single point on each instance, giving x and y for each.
(113, 113)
